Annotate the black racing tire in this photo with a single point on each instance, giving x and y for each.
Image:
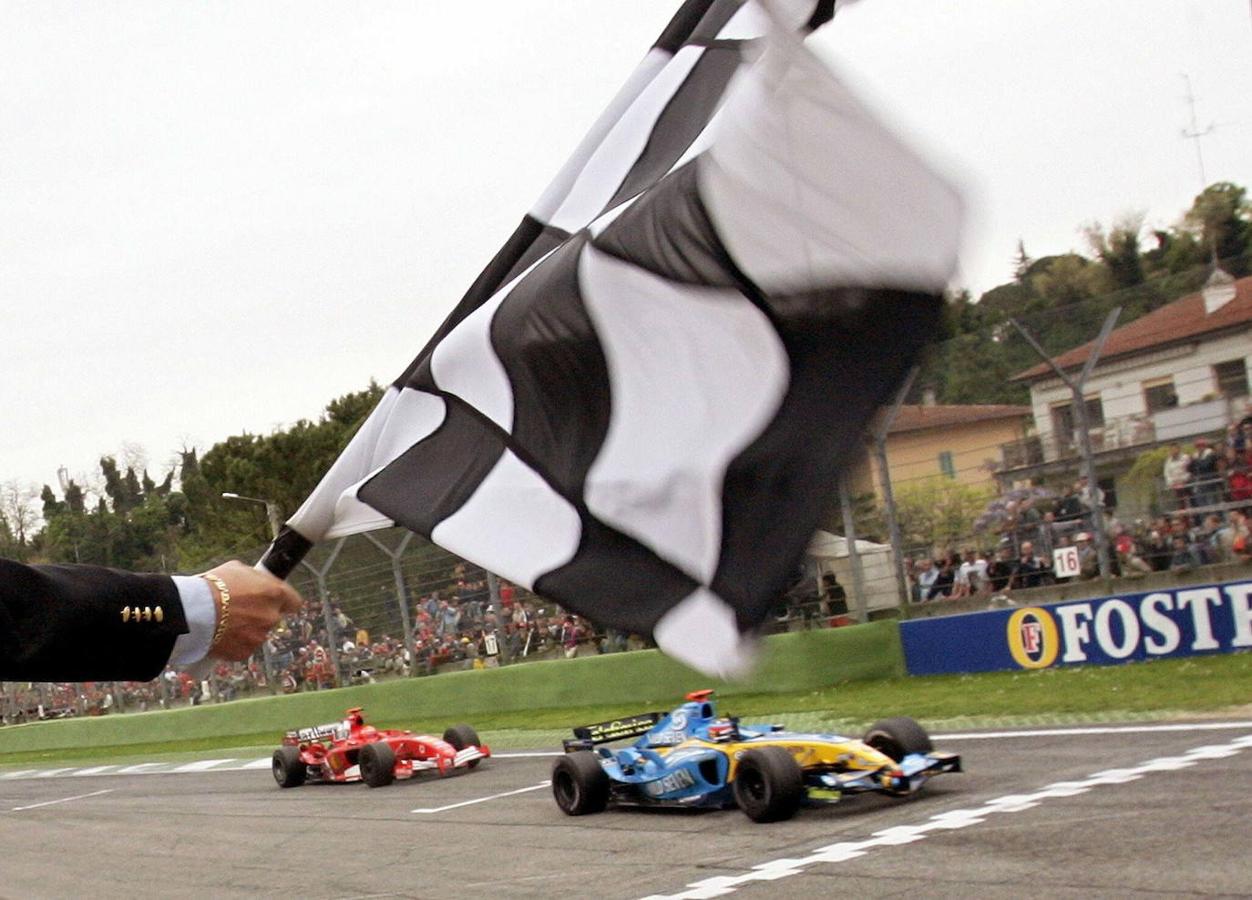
(289, 770)
(462, 736)
(769, 784)
(898, 737)
(378, 764)
(580, 784)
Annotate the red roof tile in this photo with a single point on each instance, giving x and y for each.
(919, 418)
(1182, 320)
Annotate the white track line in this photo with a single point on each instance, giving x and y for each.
(202, 765)
(234, 765)
(1081, 730)
(831, 854)
(536, 787)
(62, 800)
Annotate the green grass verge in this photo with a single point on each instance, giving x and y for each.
(1210, 685)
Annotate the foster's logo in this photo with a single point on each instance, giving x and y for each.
(1033, 638)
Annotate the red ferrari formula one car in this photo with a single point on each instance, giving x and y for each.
(353, 751)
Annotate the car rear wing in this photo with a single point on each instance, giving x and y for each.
(315, 733)
(588, 736)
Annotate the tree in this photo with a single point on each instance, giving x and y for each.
(1119, 249)
(17, 512)
(1221, 220)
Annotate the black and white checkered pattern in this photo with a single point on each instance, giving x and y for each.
(640, 407)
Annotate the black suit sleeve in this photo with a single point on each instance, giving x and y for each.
(85, 623)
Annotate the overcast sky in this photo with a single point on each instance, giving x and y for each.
(215, 217)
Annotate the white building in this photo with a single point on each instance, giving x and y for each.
(1176, 373)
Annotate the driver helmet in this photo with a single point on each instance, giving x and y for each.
(721, 731)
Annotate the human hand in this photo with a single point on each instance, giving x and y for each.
(258, 601)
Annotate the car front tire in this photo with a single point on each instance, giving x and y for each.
(462, 736)
(378, 764)
(769, 784)
(579, 784)
(898, 737)
(289, 770)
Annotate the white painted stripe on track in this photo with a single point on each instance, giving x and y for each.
(232, 765)
(62, 800)
(772, 870)
(202, 765)
(436, 809)
(1089, 730)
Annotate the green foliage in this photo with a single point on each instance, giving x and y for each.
(148, 526)
(282, 467)
(938, 511)
(1062, 300)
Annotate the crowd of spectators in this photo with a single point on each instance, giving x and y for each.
(1211, 494)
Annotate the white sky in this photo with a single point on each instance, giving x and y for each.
(215, 217)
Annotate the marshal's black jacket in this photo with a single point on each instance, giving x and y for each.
(85, 623)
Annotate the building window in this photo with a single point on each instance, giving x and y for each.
(946, 465)
(1159, 394)
(1232, 378)
(1064, 425)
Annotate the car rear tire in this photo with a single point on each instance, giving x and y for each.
(579, 784)
(462, 736)
(769, 784)
(378, 764)
(898, 737)
(289, 770)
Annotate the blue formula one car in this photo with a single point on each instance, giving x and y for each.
(691, 757)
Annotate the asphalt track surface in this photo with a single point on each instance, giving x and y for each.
(1100, 812)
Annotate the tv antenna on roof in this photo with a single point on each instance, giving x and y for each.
(1194, 133)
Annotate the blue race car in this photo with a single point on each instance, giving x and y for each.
(691, 757)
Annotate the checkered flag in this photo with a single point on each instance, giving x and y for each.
(641, 406)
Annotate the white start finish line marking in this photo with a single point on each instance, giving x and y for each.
(722, 885)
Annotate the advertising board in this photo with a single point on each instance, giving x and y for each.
(1103, 631)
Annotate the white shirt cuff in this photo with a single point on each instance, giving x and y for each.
(201, 614)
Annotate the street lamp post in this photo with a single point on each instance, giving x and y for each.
(272, 510)
(275, 516)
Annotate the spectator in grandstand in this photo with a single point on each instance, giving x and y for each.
(447, 619)
(1090, 496)
(1088, 559)
(1071, 508)
(1157, 548)
(570, 635)
(1186, 556)
(1177, 474)
(1206, 480)
(1001, 569)
(973, 571)
(834, 599)
(1238, 472)
(1130, 558)
(1231, 537)
(924, 576)
(1047, 534)
(945, 584)
(1030, 571)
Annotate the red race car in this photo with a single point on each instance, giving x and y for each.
(353, 751)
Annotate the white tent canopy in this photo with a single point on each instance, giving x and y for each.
(829, 553)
